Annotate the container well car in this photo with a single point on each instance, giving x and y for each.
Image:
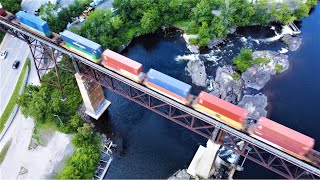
(123, 65)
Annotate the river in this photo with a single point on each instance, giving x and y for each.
(150, 146)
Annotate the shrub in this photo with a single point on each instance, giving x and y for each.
(278, 68)
(243, 60)
(235, 76)
(261, 61)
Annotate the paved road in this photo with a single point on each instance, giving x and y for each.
(17, 50)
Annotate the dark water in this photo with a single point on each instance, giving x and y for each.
(150, 146)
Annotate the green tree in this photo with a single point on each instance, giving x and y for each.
(302, 11)
(243, 60)
(204, 36)
(12, 6)
(150, 21)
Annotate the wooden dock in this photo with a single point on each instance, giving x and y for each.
(105, 160)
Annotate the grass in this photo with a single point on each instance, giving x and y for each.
(278, 68)
(182, 24)
(14, 97)
(4, 151)
(42, 133)
(262, 61)
(235, 76)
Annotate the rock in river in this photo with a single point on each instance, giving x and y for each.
(259, 74)
(255, 104)
(293, 43)
(225, 86)
(197, 71)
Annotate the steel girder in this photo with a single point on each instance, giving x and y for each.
(268, 160)
(274, 163)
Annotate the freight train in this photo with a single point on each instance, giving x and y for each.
(263, 129)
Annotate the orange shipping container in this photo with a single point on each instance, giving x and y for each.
(114, 59)
(235, 115)
(283, 137)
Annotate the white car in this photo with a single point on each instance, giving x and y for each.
(3, 54)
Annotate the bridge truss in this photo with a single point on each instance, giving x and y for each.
(45, 54)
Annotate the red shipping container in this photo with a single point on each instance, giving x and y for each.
(222, 107)
(2, 12)
(117, 60)
(283, 136)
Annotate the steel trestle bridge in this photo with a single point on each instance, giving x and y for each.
(45, 53)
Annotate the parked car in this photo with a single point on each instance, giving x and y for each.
(3, 54)
(15, 64)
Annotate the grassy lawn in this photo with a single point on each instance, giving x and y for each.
(182, 24)
(4, 151)
(14, 97)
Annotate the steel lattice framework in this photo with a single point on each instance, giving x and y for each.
(45, 54)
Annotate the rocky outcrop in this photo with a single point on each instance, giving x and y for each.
(225, 86)
(259, 74)
(255, 104)
(293, 43)
(197, 71)
(192, 48)
(214, 42)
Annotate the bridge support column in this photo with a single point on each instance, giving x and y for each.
(203, 163)
(92, 95)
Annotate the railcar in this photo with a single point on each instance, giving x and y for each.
(168, 86)
(34, 23)
(123, 65)
(82, 46)
(222, 110)
(266, 130)
(283, 138)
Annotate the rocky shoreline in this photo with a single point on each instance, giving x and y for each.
(243, 89)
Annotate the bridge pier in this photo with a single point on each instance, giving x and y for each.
(92, 95)
(203, 164)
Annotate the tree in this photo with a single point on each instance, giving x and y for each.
(302, 11)
(204, 36)
(12, 6)
(150, 21)
(243, 60)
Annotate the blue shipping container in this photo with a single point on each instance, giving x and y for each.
(173, 85)
(81, 43)
(34, 23)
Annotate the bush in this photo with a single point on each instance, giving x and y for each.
(261, 61)
(243, 60)
(83, 162)
(193, 41)
(278, 68)
(235, 76)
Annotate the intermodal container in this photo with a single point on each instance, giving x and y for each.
(170, 84)
(2, 12)
(222, 107)
(34, 23)
(119, 62)
(82, 44)
(283, 137)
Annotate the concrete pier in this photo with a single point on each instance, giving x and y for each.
(203, 163)
(92, 95)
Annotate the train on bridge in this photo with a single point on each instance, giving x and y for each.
(263, 129)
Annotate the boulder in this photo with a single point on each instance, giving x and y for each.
(293, 43)
(255, 104)
(259, 74)
(197, 72)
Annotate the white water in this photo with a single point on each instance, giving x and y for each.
(285, 30)
(283, 50)
(189, 57)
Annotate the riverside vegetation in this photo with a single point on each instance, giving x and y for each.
(132, 18)
(43, 103)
